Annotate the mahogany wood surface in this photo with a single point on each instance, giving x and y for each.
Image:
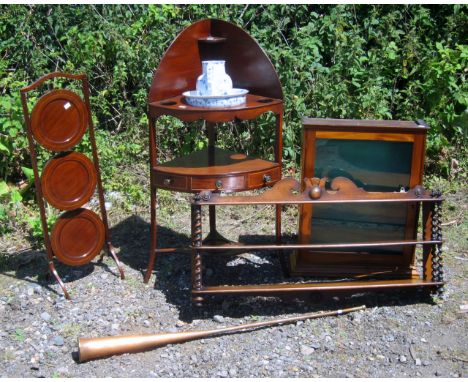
(77, 236)
(367, 271)
(246, 63)
(343, 191)
(59, 120)
(363, 125)
(254, 106)
(427, 249)
(256, 247)
(216, 169)
(317, 287)
(68, 180)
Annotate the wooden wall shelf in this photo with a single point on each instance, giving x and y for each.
(313, 192)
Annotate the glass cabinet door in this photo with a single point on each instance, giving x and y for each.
(374, 166)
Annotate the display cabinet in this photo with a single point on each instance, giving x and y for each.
(378, 156)
(213, 168)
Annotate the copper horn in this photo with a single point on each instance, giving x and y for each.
(92, 348)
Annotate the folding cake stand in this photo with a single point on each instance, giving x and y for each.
(212, 169)
(58, 122)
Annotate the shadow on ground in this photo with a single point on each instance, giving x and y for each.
(173, 276)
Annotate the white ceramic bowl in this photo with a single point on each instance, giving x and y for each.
(235, 97)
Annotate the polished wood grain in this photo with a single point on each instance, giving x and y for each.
(68, 180)
(257, 247)
(367, 271)
(246, 63)
(59, 120)
(254, 107)
(362, 125)
(216, 169)
(49, 76)
(276, 289)
(77, 236)
(368, 136)
(428, 250)
(343, 191)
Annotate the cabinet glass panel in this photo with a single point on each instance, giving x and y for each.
(373, 166)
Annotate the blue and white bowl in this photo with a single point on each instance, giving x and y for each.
(235, 97)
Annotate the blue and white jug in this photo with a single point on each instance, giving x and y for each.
(214, 81)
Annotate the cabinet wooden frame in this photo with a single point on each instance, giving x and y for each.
(352, 263)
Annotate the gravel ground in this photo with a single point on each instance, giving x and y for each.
(400, 334)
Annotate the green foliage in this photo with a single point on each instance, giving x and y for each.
(35, 224)
(343, 61)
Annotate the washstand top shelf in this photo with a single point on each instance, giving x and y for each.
(254, 106)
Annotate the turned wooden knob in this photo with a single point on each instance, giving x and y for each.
(315, 192)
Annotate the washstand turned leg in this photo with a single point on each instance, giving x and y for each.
(213, 236)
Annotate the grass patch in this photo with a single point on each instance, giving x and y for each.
(19, 335)
(70, 330)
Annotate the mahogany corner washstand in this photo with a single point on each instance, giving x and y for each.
(340, 193)
(213, 168)
(58, 122)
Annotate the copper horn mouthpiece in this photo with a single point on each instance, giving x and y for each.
(92, 348)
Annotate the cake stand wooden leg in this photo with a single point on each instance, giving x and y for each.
(153, 229)
(111, 250)
(53, 271)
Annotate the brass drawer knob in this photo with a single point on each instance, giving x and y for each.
(266, 178)
(167, 181)
(219, 184)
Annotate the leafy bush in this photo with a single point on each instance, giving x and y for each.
(344, 61)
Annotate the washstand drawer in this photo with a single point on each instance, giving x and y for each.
(225, 183)
(264, 178)
(170, 182)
